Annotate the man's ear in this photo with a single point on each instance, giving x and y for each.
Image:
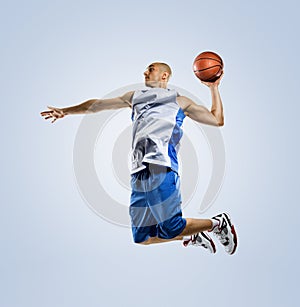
(165, 76)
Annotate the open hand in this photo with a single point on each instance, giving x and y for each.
(54, 113)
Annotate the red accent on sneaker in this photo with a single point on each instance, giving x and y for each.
(186, 243)
(234, 239)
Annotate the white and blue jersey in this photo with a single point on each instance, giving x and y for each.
(157, 120)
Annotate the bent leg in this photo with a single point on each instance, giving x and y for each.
(193, 226)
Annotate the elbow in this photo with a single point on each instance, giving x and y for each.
(216, 124)
(220, 121)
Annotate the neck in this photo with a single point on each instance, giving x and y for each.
(157, 84)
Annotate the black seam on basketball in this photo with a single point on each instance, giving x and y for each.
(215, 77)
(200, 70)
(217, 60)
(220, 61)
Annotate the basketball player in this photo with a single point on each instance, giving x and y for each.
(157, 114)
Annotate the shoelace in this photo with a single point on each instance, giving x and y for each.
(221, 235)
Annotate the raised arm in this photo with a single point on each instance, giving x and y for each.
(201, 114)
(90, 106)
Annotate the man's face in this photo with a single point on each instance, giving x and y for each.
(154, 77)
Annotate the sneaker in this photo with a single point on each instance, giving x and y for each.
(225, 232)
(201, 239)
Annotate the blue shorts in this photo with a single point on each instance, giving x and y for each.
(155, 205)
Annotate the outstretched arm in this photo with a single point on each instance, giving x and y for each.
(90, 106)
(214, 117)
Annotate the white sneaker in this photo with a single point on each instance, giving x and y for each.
(201, 239)
(225, 232)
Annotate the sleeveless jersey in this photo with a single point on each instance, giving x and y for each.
(157, 120)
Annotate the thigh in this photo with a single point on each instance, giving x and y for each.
(164, 198)
(143, 223)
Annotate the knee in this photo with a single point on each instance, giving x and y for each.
(144, 243)
(147, 242)
(172, 228)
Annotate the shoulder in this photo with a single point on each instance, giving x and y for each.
(127, 97)
(184, 102)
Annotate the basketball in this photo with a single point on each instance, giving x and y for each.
(208, 66)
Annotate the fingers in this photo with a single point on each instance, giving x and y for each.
(215, 83)
(46, 113)
(53, 110)
(51, 114)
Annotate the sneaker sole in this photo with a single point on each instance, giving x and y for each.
(233, 233)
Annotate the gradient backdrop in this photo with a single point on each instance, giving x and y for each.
(55, 251)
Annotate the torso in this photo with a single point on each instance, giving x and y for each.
(157, 120)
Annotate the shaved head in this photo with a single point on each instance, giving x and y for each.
(163, 67)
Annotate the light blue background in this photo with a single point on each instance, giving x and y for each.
(54, 250)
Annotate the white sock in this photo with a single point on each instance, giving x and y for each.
(214, 223)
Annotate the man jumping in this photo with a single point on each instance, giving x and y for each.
(157, 115)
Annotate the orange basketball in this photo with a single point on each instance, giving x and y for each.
(208, 66)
